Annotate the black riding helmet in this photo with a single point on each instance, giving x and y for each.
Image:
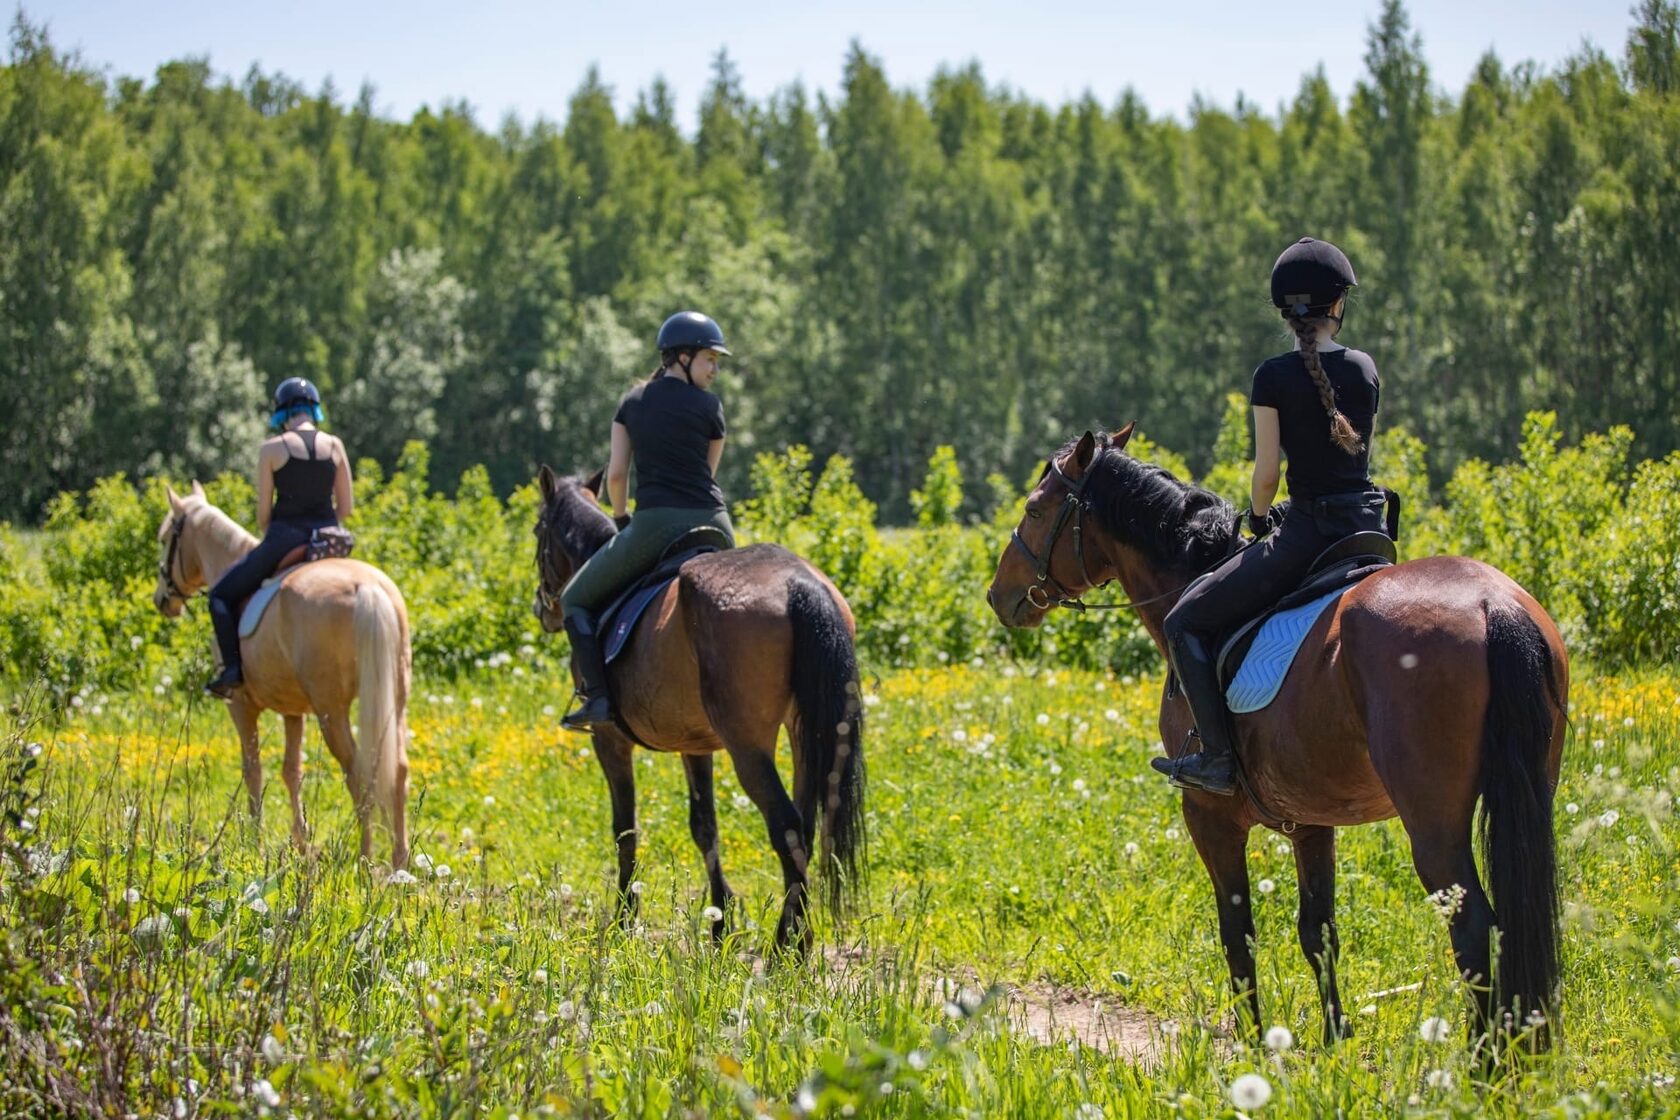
(690, 330)
(1310, 276)
(295, 390)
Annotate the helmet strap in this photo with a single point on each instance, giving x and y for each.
(686, 361)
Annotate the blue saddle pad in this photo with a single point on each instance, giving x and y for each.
(622, 617)
(1262, 671)
(251, 617)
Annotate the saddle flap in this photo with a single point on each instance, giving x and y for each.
(622, 614)
(252, 609)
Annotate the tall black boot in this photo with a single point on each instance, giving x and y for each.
(1214, 768)
(591, 672)
(225, 623)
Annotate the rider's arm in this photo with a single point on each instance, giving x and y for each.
(1267, 456)
(344, 501)
(618, 471)
(714, 454)
(265, 488)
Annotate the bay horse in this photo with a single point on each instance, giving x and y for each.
(1428, 685)
(336, 631)
(742, 643)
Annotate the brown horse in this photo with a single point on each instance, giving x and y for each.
(1427, 686)
(743, 643)
(338, 629)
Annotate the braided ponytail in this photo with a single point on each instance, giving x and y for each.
(1341, 432)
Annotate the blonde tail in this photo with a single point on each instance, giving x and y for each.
(382, 667)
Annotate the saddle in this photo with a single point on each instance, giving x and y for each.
(328, 543)
(1254, 660)
(618, 620)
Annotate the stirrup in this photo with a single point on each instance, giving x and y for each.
(596, 711)
(1185, 771)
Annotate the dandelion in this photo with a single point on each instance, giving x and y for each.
(489, 800)
(1112, 716)
(1627, 722)
(272, 1050)
(565, 890)
(1267, 886)
(1572, 808)
(917, 1060)
(1043, 719)
(1172, 834)
(1608, 818)
(540, 976)
(1131, 849)
(886, 1088)
(567, 1010)
(712, 914)
(258, 905)
(136, 642)
(1079, 785)
(548, 710)
(1251, 1090)
(442, 871)
(265, 1094)
(401, 878)
(157, 690)
(742, 801)
(166, 680)
(131, 896)
(1279, 1038)
(1674, 964)
(467, 837)
(423, 861)
(1439, 1079)
(638, 887)
(1434, 1029)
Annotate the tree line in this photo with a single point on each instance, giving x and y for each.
(896, 269)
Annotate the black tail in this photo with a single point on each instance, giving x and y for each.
(830, 746)
(1518, 846)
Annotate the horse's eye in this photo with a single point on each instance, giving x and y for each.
(1035, 514)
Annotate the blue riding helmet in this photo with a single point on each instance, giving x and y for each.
(690, 329)
(292, 396)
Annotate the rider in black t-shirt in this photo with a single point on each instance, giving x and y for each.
(1315, 404)
(672, 429)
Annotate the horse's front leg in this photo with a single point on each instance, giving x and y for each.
(245, 715)
(702, 825)
(1315, 921)
(1222, 842)
(616, 754)
(756, 769)
(292, 771)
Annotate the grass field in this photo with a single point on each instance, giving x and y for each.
(163, 959)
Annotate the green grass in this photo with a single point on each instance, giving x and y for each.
(162, 951)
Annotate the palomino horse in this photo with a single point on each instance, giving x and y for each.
(743, 643)
(337, 630)
(1427, 685)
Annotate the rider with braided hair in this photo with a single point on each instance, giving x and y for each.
(1315, 405)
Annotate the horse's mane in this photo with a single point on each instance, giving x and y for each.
(582, 527)
(218, 526)
(1177, 525)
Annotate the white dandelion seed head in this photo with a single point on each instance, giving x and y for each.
(272, 1051)
(1251, 1090)
(1609, 817)
(712, 914)
(1267, 886)
(258, 905)
(1043, 719)
(638, 887)
(423, 861)
(442, 871)
(565, 890)
(1279, 1038)
(567, 1010)
(1572, 808)
(1131, 848)
(540, 976)
(1434, 1029)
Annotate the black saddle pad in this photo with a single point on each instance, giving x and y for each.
(619, 620)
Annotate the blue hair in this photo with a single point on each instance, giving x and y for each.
(281, 415)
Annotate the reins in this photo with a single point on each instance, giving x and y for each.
(166, 569)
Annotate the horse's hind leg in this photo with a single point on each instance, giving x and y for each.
(756, 768)
(1223, 845)
(292, 771)
(250, 757)
(616, 754)
(1446, 864)
(702, 825)
(335, 729)
(1315, 921)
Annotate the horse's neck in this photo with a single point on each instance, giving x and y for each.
(1146, 585)
(220, 543)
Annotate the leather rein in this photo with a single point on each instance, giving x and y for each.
(166, 567)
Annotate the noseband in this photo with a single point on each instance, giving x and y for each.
(550, 601)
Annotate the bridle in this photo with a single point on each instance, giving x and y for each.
(550, 601)
(166, 567)
(1046, 590)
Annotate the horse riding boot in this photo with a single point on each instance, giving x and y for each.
(226, 625)
(1213, 769)
(592, 674)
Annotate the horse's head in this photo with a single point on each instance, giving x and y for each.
(1044, 564)
(570, 527)
(180, 570)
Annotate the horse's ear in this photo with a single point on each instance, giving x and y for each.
(547, 482)
(1084, 450)
(175, 502)
(1118, 439)
(198, 489)
(593, 482)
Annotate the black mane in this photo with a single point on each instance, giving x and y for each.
(1177, 525)
(577, 521)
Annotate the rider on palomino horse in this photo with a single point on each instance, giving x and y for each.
(1316, 403)
(303, 484)
(672, 429)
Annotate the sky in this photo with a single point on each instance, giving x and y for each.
(526, 58)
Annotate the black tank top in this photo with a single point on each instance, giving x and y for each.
(303, 488)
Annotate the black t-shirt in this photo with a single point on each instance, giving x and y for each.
(1316, 465)
(672, 425)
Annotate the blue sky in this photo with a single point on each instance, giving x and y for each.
(527, 58)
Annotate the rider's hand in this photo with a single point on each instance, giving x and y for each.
(1258, 524)
(622, 521)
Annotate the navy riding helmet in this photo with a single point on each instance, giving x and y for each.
(690, 330)
(292, 396)
(1309, 277)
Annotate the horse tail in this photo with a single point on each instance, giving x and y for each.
(830, 734)
(382, 683)
(1515, 822)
